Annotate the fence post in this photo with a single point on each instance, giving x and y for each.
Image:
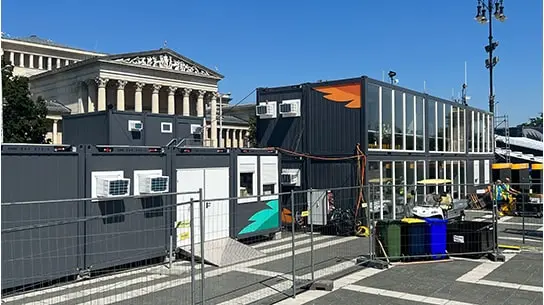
(202, 240)
(371, 225)
(192, 232)
(293, 240)
(311, 216)
(523, 216)
(496, 255)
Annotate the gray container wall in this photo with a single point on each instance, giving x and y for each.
(112, 128)
(121, 239)
(281, 132)
(335, 174)
(32, 173)
(246, 213)
(88, 128)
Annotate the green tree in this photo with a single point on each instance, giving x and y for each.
(24, 119)
(533, 122)
(252, 131)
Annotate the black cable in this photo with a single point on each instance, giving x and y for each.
(234, 106)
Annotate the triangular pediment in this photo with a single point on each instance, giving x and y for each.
(164, 59)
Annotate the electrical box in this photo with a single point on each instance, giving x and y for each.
(266, 110)
(290, 108)
(112, 187)
(319, 206)
(290, 177)
(134, 125)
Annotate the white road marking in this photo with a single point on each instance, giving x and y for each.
(135, 293)
(520, 238)
(504, 218)
(476, 275)
(541, 229)
(404, 296)
(289, 245)
(267, 244)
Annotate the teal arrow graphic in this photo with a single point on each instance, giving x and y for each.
(264, 219)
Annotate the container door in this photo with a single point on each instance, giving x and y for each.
(216, 186)
(188, 180)
(269, 178)
(476, 172)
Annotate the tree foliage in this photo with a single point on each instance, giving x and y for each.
(252, 131)
(533, 122)
(24, 120)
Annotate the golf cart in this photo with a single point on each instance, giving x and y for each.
(439, 205)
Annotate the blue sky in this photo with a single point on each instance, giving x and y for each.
(272, 43)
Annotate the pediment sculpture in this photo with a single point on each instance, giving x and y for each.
(164, 61)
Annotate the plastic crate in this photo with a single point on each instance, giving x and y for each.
(473, 237)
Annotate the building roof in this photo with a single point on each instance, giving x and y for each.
(56, 107)
(229, 120)
(43, 41)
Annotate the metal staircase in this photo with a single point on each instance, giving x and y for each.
(500, 121)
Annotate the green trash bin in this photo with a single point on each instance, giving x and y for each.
(388, 232)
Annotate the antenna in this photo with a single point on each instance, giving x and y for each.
(383, 76)
(424, 86)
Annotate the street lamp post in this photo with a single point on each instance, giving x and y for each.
(221, 96)
(493, 8)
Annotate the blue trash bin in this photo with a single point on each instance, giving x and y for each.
(437, 237)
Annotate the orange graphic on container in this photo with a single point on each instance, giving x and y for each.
(345, 93)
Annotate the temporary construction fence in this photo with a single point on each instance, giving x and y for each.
(132, 249)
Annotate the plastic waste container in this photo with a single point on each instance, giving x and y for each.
(389, 234)
(436, 229)
(414, 237)
(470, 238)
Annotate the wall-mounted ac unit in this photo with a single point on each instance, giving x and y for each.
(196, 129)
(290, 177)
(290, 108)
(134, 125)
(112, 187)
(266, 110)
(152, 184)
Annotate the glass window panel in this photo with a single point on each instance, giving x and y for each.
(420, 123)
(387, 188)
(440, 124)
(421, 174)
(462, 179)
(373, 176)
(478, 133)
(490, 133)
(399, 190)
(455, 181)
(387, 118)
(484, 132)
(448, 172)
(448, 128)
(472, 124)
(462, 133)
(431, 119)
(410, 124)
(399, 120)
(373, 116)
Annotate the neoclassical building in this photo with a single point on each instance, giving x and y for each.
(162, 81)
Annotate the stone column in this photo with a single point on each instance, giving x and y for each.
(227, 137)
(138, 97)
(66, 62)
(91, 94)
(12, 58)
(55, 131)
(31, 61)
(234, 138)
(49, 63)
(200, 104)
(171, 100)
(121, 94)
(186, 104)
(241, 138)
(101, 83)
(58, 63)
(40, 62)
(21, 59)
(82, 99)
(155, 98)
(213, 119)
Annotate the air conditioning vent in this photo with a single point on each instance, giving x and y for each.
(135, 125)
(290, 177)
(154, 184)
(266, 110)
(290, 108)
(196, 129)
(112, 187)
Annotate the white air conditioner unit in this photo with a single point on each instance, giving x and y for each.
(290, 108)
(112, 187)
(290, 177)
(196, 129)
(134, 125)
(266, 110)
(152, 184)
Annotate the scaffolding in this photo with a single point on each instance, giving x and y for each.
(502, 120)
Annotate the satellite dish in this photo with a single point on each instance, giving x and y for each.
(396, 81)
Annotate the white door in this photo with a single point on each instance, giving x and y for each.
(476, 172)
(188, 180)
(216, 186)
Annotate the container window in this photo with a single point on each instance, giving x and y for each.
(431, 119)
(387, 189)
(421, 174)
(399, 120)
(440, 136)
(246, 184)
(166, 127)
(268, 189)
(448, 128)
(420, 123)
(387, 118)
(463, 131)
(410, 124)
(373, 116)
